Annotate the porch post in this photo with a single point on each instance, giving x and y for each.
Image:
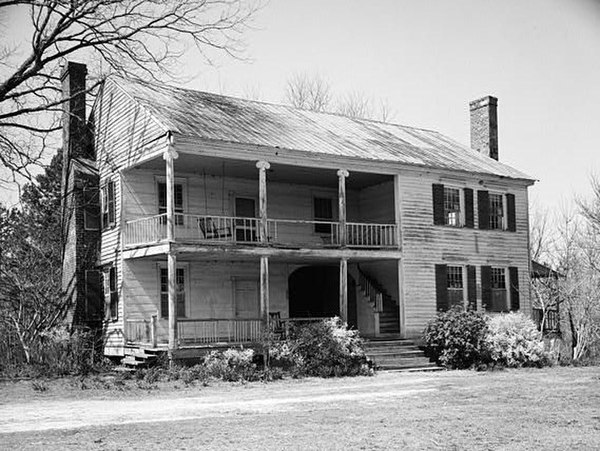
(169, 156)
(344, 289)
(262, 198)
(264, 289)
(342, 174)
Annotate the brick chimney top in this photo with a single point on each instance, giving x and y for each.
(484, 126)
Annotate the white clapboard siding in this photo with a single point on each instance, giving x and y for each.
(425, 245)
(209, 288)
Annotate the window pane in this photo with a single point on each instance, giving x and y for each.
(452, 206)
(496, 211)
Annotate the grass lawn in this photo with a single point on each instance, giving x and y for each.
(553, 408)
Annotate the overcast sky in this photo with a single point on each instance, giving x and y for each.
(428, 59)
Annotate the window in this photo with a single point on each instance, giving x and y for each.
(455, 285)
(323, 211)
(178, 201)
(496, 212)
(499, 303)
(108, 205)
(452, 207)
(114, 293)
(179, 290)
(245, 223)
(93, 296)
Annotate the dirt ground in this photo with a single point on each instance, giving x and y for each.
(556, 408)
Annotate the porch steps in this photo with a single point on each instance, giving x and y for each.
(389, 316)
(395, 354)
(140, 357)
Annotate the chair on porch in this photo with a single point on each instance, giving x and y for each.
(212, 231)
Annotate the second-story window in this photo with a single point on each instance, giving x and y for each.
(496, 211)
(323, 211)
(452, 207)
(177, 197)
(108, 205)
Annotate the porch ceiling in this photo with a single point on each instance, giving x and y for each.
(194, 164)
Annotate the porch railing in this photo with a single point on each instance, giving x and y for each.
(139, 330)
(296, 232)
(205, 331)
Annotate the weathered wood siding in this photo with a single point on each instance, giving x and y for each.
(209, 288)
(124, 133)
(425, 245)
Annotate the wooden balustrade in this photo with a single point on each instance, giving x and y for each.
(205, 331)
(372, 293)
(371, 235)
(210, 228)
(141, 331)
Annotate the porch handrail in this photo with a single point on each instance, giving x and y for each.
(216, 330)
(372, 292)
(145, 230)
(141, 330)
(370, 234)
(330, 230)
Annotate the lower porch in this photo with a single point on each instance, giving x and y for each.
(219, 302)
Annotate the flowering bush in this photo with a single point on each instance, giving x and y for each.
(456, 338)
(513, 341)
(231, 365)
(326, 348)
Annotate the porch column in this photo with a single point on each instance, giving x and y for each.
(344, 289)
(169, 156)
(262, 198)
(264, 289)
(342, 174)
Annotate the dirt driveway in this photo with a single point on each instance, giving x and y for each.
(554, 408)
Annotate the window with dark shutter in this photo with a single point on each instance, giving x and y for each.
(441, 287)
(111, 203)
(469, 212)
(455, 285)
(114, 293)
(486, 287)
(471, 288)
(438, 204)
(510, 213)
(483, 209)
(513, 276)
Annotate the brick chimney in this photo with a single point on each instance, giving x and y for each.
(74, 119)
(484, 126)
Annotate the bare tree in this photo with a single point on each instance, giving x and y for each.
(591, 209)
(354, 104)
(135, 38)
(308, 93)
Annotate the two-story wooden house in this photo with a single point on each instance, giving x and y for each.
(218, 213)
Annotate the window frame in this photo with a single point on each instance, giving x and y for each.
(179, 211)
(113, 293)
(499, 273)
(493, 218)
(108, 205)
(458, 274)
(460, 219)
(186, 293)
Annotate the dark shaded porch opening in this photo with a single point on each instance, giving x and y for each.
(314, 291)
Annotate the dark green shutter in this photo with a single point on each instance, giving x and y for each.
(111, 203)
(438, 204)
(483, 209)
(441, 287)
(469, 213)
(471, 288)
(486, 287)
(510, 210)
(513, 275)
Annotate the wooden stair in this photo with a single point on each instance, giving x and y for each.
(140, 357)
(390, 353)
(381, 302)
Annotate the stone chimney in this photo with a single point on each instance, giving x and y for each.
(484, 126)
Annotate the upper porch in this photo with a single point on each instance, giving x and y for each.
(223, 202)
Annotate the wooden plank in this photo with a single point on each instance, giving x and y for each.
(262, 198)
(264, 289)
(344, 289)
(172, 270)
(342, 174)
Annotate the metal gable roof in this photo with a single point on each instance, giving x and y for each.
(204, 115)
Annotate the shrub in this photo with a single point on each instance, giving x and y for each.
(514, 341)
(456, 338)
(326, 348)
(232, 365)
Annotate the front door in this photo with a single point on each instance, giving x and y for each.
(246, 298)
(245, 223)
